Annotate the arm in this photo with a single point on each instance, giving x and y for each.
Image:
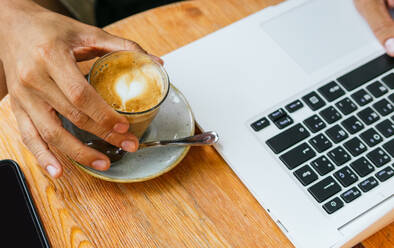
(40, 50)
(3, 86)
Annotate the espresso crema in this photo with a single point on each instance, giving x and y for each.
(129, 82)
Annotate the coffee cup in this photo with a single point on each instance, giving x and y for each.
(134, 85)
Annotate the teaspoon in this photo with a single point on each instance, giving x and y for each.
(116, 153)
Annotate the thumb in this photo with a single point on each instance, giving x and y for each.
(378, 18)
(112, 43)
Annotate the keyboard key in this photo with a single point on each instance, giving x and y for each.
(368, 184)
(294, 106)
(313, 100)
(362, 97)
(377, 89)
(346, 176)
(284, 122)
(378, 157)
(330, 115)
(322, 165)
(389, 80)
(333, 205)
(297, 156)
(339, 156)
(346, 106)
(336, 134)
(352, 125)
(362, 166)
(314, 123)
(277, 114)
(366, 72)
(384, 107)
(385, 174)
(355, 146)
(260, 124)
(386, 128)
(331, 91)
(351, 194)
(324, 189)
(391, 97)
(371, 137)
(368, 116)
(287, 138)
(305, 175)
(389, 147)
(320, 143)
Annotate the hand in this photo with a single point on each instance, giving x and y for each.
(376, 12)
(39, 50)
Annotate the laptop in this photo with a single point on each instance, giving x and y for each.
(302, 97)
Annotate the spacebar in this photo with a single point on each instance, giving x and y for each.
(366, 72)
(287, 138)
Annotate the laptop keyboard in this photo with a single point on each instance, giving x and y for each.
(346, 147)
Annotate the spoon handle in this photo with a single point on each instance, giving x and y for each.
(207, 138)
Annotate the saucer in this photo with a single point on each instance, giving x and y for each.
(174, 120)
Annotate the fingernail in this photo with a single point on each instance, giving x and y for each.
(121, 127)
(389, 44)
(100, 164)
(128, 145)
(52, 170)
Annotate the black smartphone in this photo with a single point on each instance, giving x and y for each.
(20, 225)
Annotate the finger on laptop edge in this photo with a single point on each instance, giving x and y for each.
(378, 17)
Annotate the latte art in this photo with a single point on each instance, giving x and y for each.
(127, 90)
(130, 83)
(133, 84)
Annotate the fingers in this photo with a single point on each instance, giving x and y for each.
(390, 3)
(93, 114)
(34, 142)
(51, 131)
(126, 141)
(380, 21)
(58, 100)
(110, 43)
(82, 95)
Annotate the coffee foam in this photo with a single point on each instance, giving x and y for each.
(130, 83)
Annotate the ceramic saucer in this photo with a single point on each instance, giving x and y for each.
(174, 120)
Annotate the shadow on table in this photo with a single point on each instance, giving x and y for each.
(109, 11)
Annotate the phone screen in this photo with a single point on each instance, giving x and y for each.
(19, 223)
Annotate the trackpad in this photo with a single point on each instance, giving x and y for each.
(318, 32)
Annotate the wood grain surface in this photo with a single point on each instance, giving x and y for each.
(201, 203)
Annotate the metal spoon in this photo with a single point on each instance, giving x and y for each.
(207, 138)
(116, 153)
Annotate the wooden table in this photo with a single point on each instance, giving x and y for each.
(201, 203)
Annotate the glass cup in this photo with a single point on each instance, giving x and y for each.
(139, 121)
